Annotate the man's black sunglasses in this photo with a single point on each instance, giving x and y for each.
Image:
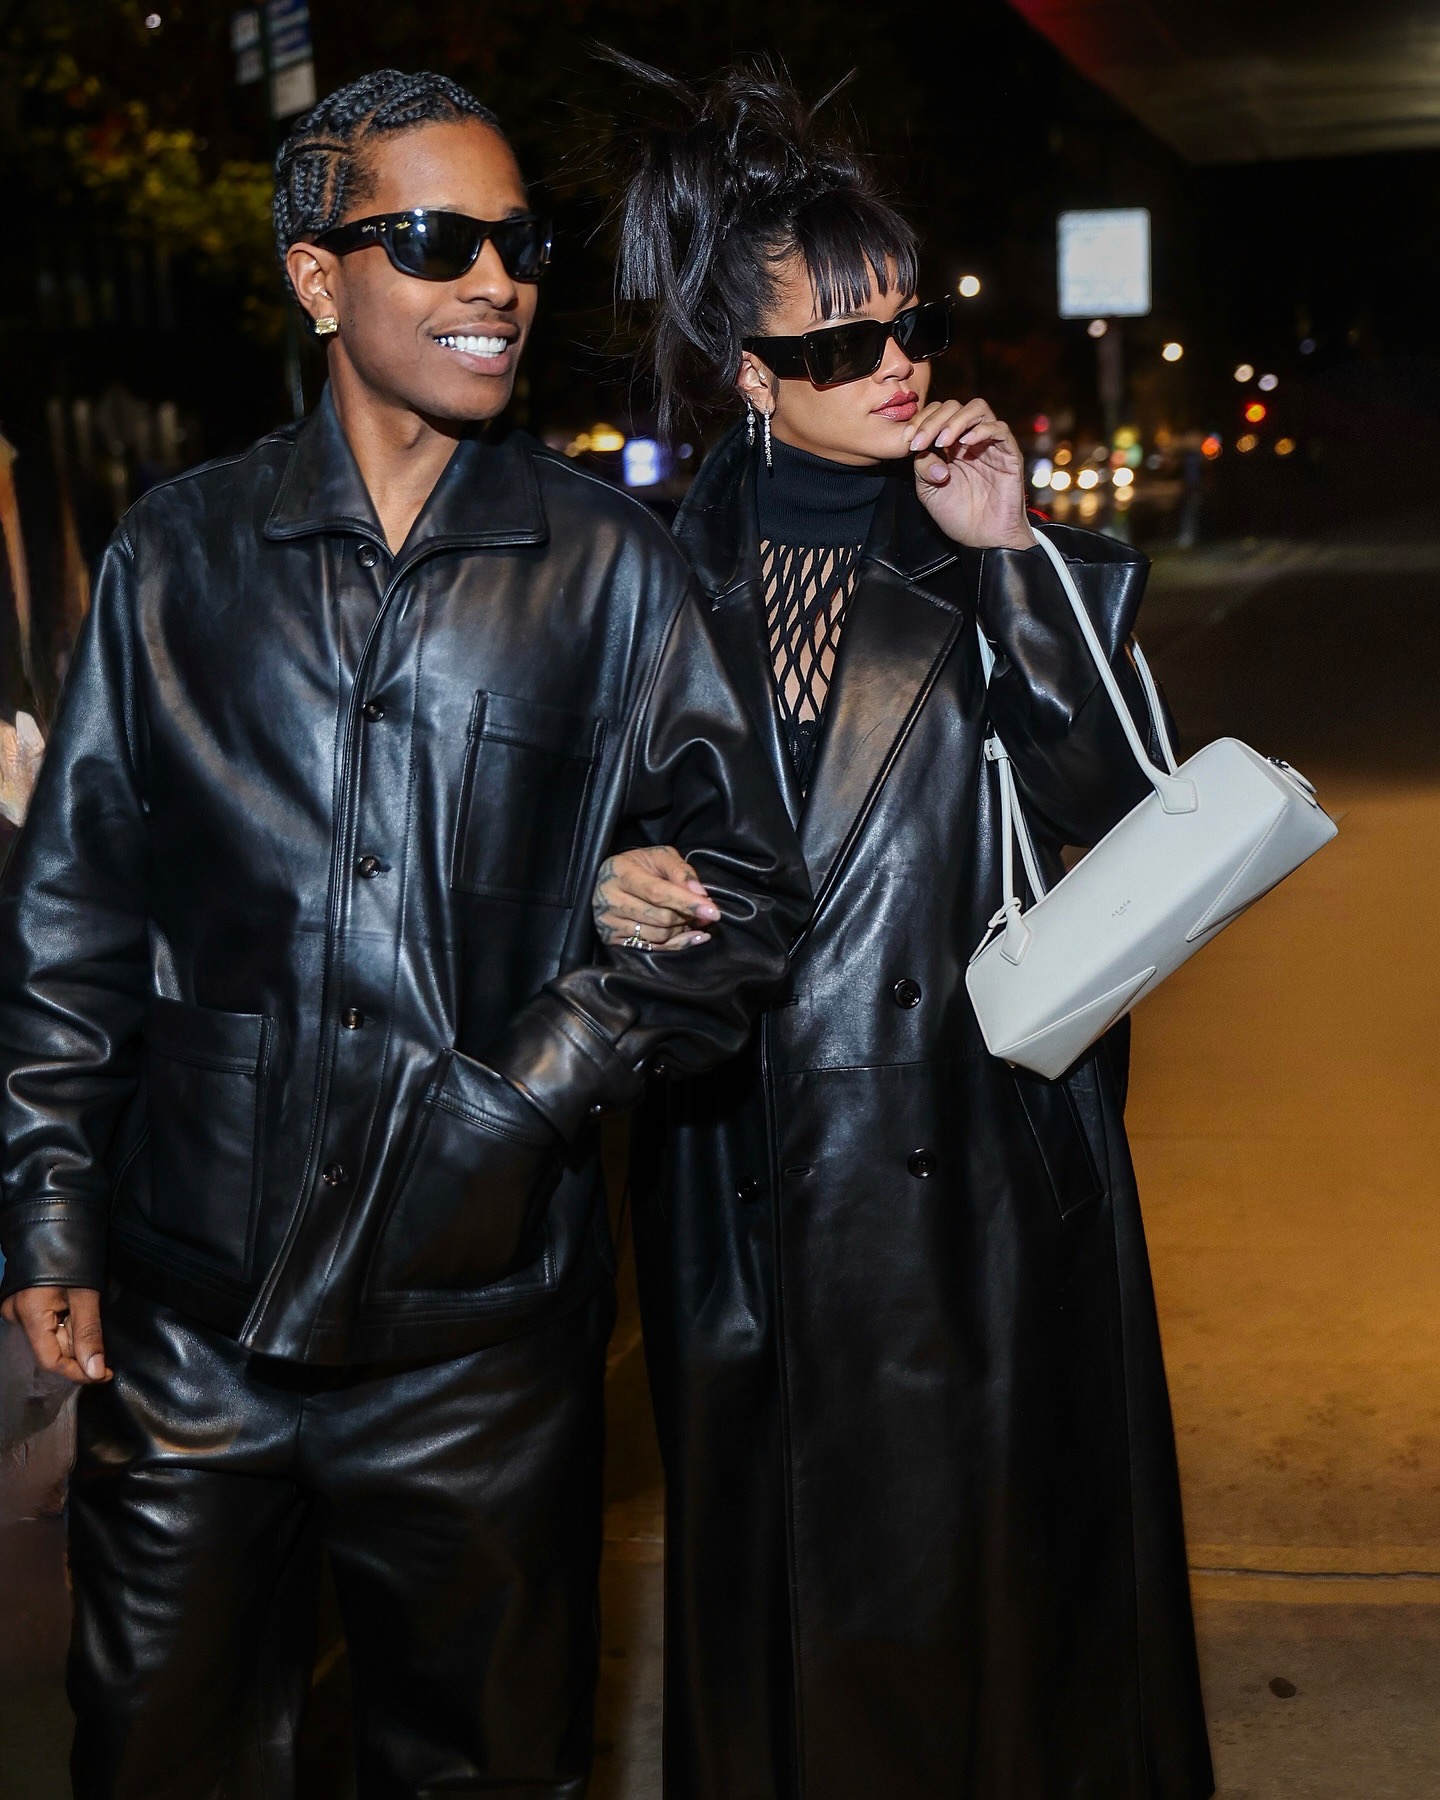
(441, 246)
(833, 354)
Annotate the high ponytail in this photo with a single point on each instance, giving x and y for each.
(719, 196)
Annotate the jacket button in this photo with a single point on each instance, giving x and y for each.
(920, 1163)
(333, 1174)
(368, 866)
(352, 1018)
(367, 556)
(748, 1190)
(907, 993)
(374, 711)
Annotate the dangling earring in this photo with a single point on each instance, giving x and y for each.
(749, 424)
(765, 434)
(326, 327)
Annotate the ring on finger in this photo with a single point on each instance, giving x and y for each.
(636, 940)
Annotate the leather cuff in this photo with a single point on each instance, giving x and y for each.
(564, 1065)
(52, 1243)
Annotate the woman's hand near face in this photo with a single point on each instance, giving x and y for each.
(970, 475)
(653, 894)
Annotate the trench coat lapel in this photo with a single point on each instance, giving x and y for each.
(909, 605)
(896, 637)
(738, 622)
(720, 531)
(897, 634)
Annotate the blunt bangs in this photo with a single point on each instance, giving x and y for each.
(850, 244)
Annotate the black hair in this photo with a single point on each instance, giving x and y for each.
(320, 169)
(740, 179)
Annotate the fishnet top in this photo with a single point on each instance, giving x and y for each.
(807, 589)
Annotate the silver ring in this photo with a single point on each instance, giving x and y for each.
(635, 941)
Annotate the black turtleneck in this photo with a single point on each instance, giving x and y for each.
(814, 519)
(808, 499)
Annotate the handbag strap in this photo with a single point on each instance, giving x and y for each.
(1177, 795)
(1175, 792)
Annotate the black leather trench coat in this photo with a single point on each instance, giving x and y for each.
(302, 1025)
(923, 1533)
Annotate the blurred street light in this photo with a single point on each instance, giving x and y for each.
(1247, 443)
(1098, 327)
(1087, 478)
(1123, 478)
(1245, 372)
(1060, 480)
(1211, 446)
(1255, 412)
(969, 286)
(1267, 384)
(1173, 351)
(1284, 446)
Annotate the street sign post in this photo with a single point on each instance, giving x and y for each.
(1104, 274)
(272, 44)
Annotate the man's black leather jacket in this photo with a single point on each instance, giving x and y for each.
(303, 1026)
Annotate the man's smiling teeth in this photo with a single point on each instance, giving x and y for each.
(475, 346)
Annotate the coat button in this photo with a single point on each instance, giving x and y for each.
(907, 993)
(333, 1174)
(367, 556)
(368, 866)
(920, 1163)
(748, 1190)
(352, 1018)
(374, 711)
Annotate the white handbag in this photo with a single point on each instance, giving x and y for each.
(1218, 831)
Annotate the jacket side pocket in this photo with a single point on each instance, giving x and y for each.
(204, 1076)
(470, 1199)
(528, 773)
(1060, 1138)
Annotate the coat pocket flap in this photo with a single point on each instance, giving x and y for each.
(507, 719)
(231, 1042)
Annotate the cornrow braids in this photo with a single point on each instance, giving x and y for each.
(320, 169)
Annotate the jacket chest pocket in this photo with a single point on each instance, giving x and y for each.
(204, 1074)
(528, 773)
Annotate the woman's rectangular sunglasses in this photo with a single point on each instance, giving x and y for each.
(441, 246)
(833, 354)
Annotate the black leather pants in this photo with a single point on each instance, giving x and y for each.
(460, 1505)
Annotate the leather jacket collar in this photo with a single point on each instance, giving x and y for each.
(488, 493)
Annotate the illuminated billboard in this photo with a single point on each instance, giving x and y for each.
(1105, 263)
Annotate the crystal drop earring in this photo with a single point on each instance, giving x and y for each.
(765, 433)
(749, 424)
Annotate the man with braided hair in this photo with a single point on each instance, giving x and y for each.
(305, 1031)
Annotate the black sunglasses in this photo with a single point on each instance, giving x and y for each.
(834, 354)
(441, 246)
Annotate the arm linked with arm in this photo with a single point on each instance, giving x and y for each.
(698, 779)
(74, 959)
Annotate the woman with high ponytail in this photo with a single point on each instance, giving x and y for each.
(923, 1525)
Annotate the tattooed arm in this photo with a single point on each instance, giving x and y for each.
(653, 894)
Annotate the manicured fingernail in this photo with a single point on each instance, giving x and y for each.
(698, 887)
(699, 937)
(708, 911)
(95, 1366)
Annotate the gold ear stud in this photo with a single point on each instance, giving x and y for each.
(326, 327)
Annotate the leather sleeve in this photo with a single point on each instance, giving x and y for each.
(74, 956)
(698, 779)
(1074, 767)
